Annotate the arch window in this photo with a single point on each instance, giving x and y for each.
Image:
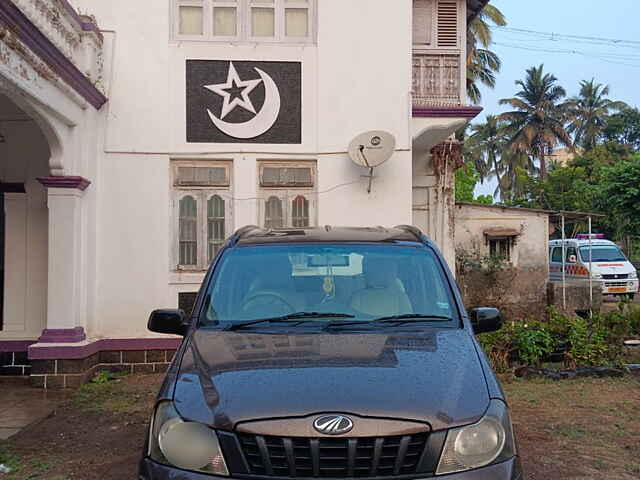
(202, 206)
(288, 192)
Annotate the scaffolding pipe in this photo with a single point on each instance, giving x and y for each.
(590, 273)
(564, 276)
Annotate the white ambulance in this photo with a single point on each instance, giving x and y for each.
(609, 266)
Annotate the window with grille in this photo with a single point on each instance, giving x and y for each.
(288, 194)
(202, 206)
(500, 247)
(248, 20)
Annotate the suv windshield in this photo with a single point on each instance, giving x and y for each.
(602, 253)
(366, 282)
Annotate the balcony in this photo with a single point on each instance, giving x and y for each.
(437, 80)
(75, 36)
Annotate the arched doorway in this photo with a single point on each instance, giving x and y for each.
(24, 156)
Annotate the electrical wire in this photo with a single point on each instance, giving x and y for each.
(562, 36)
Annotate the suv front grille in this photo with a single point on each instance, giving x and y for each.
(332, 457)
(613, 276)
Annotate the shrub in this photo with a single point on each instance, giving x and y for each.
(533, 343)
(588, 343)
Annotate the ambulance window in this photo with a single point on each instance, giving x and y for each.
(557, 255)
(572, 252)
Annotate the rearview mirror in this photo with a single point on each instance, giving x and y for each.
(168, 321)
(485, 320)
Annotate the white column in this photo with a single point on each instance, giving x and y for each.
(65, 256)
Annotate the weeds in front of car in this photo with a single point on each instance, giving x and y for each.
(17, 468)
(579, 341)
(105, 393)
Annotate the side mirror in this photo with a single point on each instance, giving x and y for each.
(573, 259)
(168, 321)
(485, 320)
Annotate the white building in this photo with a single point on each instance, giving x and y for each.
(135, 136)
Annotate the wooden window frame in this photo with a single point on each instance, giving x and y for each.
(499, 240)
(243, 21)
(202, 195)
(288, 194)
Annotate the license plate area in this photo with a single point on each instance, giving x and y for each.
(617, 289)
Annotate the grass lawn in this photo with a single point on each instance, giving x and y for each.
(586, 428)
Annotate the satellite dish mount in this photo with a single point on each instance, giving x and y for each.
(370, 150)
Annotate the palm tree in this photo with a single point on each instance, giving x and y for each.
(482, 63)
(589, 113)
(537, 124)
(484, 147)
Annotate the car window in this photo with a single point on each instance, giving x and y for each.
(557, 255)
(602, 253)
(366, 281)
(571, 252)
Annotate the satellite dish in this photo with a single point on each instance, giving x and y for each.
(372, 149)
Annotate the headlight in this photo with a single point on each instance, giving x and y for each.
(474, 446)
(633, 274)
(186, 445)
(597, 275)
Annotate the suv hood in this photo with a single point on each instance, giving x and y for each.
(431, 375)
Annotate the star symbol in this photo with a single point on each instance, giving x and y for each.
(235, 92)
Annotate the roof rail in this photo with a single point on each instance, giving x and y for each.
(413, 230)
(241, 232)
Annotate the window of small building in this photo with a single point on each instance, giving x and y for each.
(244, 20)
(287, 192)
(500, 247)
(202, 211)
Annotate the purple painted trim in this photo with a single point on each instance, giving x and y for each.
(80, 183)
(15, 345)
(32, 37)
(62, 335)
(86, 26)
(465, 112)
(83, 351)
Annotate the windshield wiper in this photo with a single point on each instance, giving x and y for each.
(290, 318)
(394, 319)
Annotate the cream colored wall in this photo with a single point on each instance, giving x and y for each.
(531, 248)
(353, 81)
(23, 157)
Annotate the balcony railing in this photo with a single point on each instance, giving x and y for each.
(76, 36)
(437, 80)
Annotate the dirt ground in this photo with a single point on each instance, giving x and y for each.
(587, 429)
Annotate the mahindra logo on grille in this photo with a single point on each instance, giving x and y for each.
(333, 424)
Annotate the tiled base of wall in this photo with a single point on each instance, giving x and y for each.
(58, 374)
(14, 364)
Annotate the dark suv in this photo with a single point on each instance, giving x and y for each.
(329, 353)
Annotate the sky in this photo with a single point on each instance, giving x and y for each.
(608, 62)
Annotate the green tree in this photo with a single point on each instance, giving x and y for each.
(482, 63)
(484, 148)
(624, 127)
(537, 123)
(589, 112)
(466, 180)
(619, 196)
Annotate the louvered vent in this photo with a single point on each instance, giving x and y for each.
(447, 23)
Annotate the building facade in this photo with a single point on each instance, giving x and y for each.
(503, 257)
(136, 136)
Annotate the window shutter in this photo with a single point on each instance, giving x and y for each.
(447, 23)
(203, 176)
(286, 177)
(422, 14)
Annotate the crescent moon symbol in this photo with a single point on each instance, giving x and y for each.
(263, 121)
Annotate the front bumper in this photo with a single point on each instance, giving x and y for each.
(509, 470)
(613, 287)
